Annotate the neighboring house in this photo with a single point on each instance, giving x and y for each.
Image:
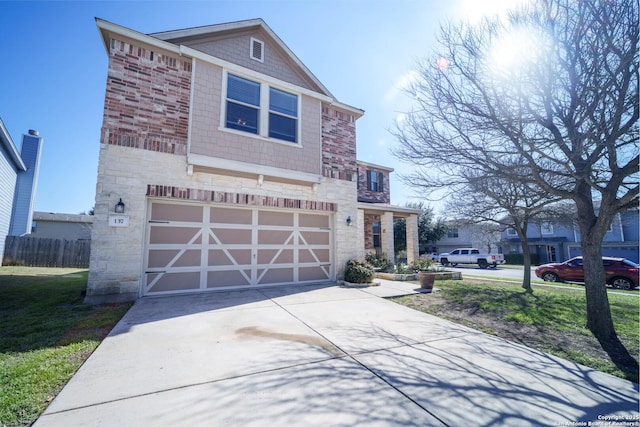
(18, 178)
(461, 235)
(234, 167)
(557, 242)
(61, 226)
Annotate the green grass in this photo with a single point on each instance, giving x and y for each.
(553, 319)
(46, 333)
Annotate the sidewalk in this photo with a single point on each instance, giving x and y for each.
(323, 356)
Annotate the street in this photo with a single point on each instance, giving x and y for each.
(511, 272)
(499, 272)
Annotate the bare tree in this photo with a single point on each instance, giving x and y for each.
(505, 203)
(564, 99)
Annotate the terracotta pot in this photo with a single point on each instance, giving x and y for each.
(426, 279)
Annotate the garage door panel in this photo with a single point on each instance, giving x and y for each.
(228, 278)
(275, 275)
(315, 221)
(180, 281)
(275, 256)
(314, 238)
(173, 258)
(184, 213)
(230, 216)
(275, 237)
(231, 236)
(314, 255)
(307, 274)
(284, 219)
(198, 247)
(174, 235)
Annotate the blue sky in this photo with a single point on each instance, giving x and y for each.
(54, 67)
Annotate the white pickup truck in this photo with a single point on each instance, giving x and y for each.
(471, 256)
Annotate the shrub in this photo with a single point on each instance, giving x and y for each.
(422, 264)
(518, 259)
(403, 269)
(358, 272)
(379, 262)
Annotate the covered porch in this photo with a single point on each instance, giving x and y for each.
(375, 222)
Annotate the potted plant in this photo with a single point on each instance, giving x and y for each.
(426, 275)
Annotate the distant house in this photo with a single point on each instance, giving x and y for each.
(557, 242)
(18, 179)
(225, 163)
(463, 235)
(61, 226)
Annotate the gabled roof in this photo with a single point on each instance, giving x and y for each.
(179, 36)
(10, 148)
(171, 41)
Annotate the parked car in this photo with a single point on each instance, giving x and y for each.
(619, 272)
(471, 256)
(434, 256)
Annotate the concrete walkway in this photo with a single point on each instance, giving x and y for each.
(323, 356)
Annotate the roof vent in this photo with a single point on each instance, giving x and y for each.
(257, 50)
(33, 132)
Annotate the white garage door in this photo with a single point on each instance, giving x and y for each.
(202, 247)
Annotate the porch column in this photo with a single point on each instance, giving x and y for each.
(413, 245)
(386, 235)
(361, 232)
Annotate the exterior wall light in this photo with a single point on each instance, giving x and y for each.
(119, 207)
(349, 222)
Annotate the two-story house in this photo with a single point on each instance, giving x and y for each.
(18, 182)
(554, 241)
(224, 162)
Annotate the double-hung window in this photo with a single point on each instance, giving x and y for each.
(261, 109)
(243, 104)
(375, 181)
(283, 115)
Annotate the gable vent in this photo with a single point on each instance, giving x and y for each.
(257, 49)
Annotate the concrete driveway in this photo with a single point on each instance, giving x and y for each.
(323, 356)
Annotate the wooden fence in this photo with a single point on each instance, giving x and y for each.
(40, 252)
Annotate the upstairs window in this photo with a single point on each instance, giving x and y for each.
(375, 181)
(452, 233)
(243, 104)
(283, 115)
(262, 110)
(546, 228)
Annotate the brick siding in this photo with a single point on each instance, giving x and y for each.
(170, 192)
(147, 99)
(338, 144)
(366, 195)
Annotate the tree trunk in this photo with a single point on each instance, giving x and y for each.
(526, 261)
(592, 232)
(599, 319)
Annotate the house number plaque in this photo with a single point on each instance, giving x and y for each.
(118, 221)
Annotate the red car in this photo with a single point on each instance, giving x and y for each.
(619, 272)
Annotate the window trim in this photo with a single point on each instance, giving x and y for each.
(263, 111)
(546, 229)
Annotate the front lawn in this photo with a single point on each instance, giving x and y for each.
(551, 320)
(46, 333)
